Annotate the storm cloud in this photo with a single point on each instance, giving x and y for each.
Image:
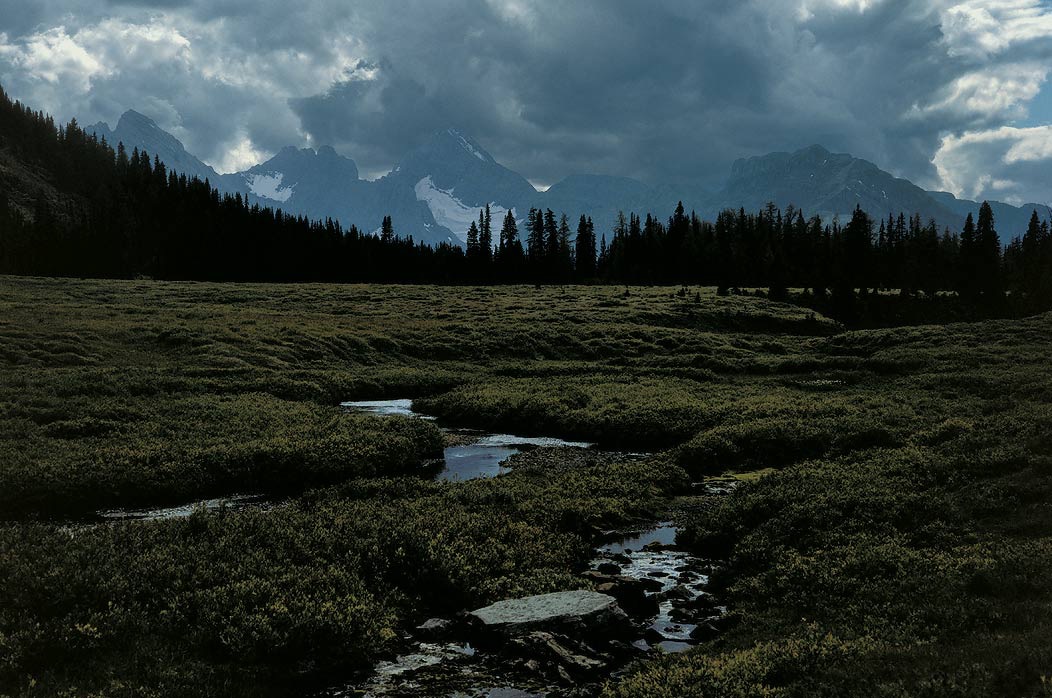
(946, 93)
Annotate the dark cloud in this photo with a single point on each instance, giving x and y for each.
(663, 90)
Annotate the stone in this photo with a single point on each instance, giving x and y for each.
(651, 584)
(704, 631)
(630, 594)
(609, 568)
(704, 603)
(657, 547)
(434, 629)
(578, 612)
(574, 662)
(652, 636)
(680, 593)
(681, 615)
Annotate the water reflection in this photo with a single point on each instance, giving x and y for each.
(482, 456)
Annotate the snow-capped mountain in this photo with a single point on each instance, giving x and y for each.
(437, 189)
(302, 181)
(452, 177)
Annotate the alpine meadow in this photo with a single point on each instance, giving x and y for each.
(698, 408)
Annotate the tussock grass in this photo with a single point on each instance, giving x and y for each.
(897, 543)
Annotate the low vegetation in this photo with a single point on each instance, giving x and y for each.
(896, 544)
(915, 565)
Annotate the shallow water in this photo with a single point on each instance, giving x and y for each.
(539, 441)
(664, 533)
(671, 568)
(415, 671)
(475, 461)
(482, 457)
(401, 408)
(233, 502)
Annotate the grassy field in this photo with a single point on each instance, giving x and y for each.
(897, 546)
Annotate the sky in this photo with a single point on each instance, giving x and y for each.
(952, 94)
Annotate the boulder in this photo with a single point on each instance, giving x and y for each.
(561, 652)
(704, 631)
(679, 593)
(580, 613)
(609, 568)
(657, 547)
(704, 603)
(434, 629)
(652, 585)
(631, 595)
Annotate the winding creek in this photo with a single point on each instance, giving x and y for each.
(660, 587)
(472, 454)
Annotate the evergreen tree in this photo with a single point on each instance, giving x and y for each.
(473, 249)
(584, 253)
(551, 237)
(968, 268)
(564, 262)
(1033, 257)
(121, 214)
(988, 254)
(535, 249)
(511, 256)
(485, 236)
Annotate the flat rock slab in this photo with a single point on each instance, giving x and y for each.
(583, 611)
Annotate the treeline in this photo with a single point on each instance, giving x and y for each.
(781, 250)
(110, 213)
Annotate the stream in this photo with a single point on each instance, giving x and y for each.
(666, 617)
(470, 455)
(661, 589)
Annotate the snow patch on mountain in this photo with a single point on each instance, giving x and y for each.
(468, 145)
(268, 186)
(452, 213)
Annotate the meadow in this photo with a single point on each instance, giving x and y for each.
(897, 543)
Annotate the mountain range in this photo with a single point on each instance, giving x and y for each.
(437, 189)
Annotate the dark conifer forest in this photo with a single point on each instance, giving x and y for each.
(124, 215)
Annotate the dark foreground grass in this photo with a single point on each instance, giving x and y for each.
(921, 567)
(254, 603)
(899, 547)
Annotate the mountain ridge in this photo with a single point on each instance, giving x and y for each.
(437, 188)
